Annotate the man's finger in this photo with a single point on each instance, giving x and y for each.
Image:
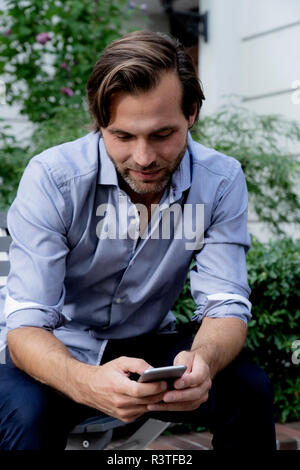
(189, 394)
(182, 406)
(126, 401)
(198, 373)
(184, 358)
(131, 387)
(133, 364)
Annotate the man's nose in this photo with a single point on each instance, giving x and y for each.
(143, 154)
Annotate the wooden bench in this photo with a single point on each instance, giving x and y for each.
(95, 432)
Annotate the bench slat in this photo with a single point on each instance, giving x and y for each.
(4, 243)
(4, 268)
(3, 219)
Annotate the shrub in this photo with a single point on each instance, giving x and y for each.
(13, 159)
(68, 124)
(274, 277)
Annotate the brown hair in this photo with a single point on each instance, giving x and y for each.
(135, 63)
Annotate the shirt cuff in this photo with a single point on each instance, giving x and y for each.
(34, 317)
(223, 305)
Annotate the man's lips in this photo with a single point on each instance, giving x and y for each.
(147, 174)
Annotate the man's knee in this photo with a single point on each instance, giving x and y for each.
(248, 380)
(256, 383)
(261, 385)
(22, 410)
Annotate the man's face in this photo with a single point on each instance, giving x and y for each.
(147, 135)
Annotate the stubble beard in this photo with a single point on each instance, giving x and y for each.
(147, 187)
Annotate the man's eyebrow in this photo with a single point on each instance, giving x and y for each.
(163, 129)
(114, 130)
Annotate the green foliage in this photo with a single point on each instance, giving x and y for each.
(274, 277)
(13, 159)
(67, 125)
(185, 305)
(264, 145)
(48, 50)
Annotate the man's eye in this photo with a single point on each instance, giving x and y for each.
(162, 136)
(123, 137)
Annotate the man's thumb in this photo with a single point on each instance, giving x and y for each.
(184, 358)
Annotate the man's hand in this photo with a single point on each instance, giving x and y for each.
(106, 388)
(191, 389)
(112, 391)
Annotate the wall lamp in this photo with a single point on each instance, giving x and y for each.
(186, 23)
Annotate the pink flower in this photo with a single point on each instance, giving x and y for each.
(42, 38)
(66, 91)
(144, 7)
(64, 65)
(7, 33)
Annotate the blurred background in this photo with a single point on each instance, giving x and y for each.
(247, 56)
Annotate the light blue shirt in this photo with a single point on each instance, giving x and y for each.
(70, 275)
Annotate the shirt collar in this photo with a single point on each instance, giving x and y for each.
(181, 178)
(107, 172)
(180, 181)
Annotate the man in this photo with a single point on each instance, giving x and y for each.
(93, 279)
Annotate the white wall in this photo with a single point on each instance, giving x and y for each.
(219, 58)
(254, 52)
(270, 55)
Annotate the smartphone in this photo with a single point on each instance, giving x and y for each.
(162, 373)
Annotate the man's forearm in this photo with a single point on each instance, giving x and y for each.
(106, 388)
(42, 356)
(219, 341)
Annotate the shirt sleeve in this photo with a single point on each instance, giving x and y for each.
(36, 223)
(218, 280)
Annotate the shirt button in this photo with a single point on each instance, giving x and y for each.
(118, 300)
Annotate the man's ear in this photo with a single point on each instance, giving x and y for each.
(192, 117)
(191, 122)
